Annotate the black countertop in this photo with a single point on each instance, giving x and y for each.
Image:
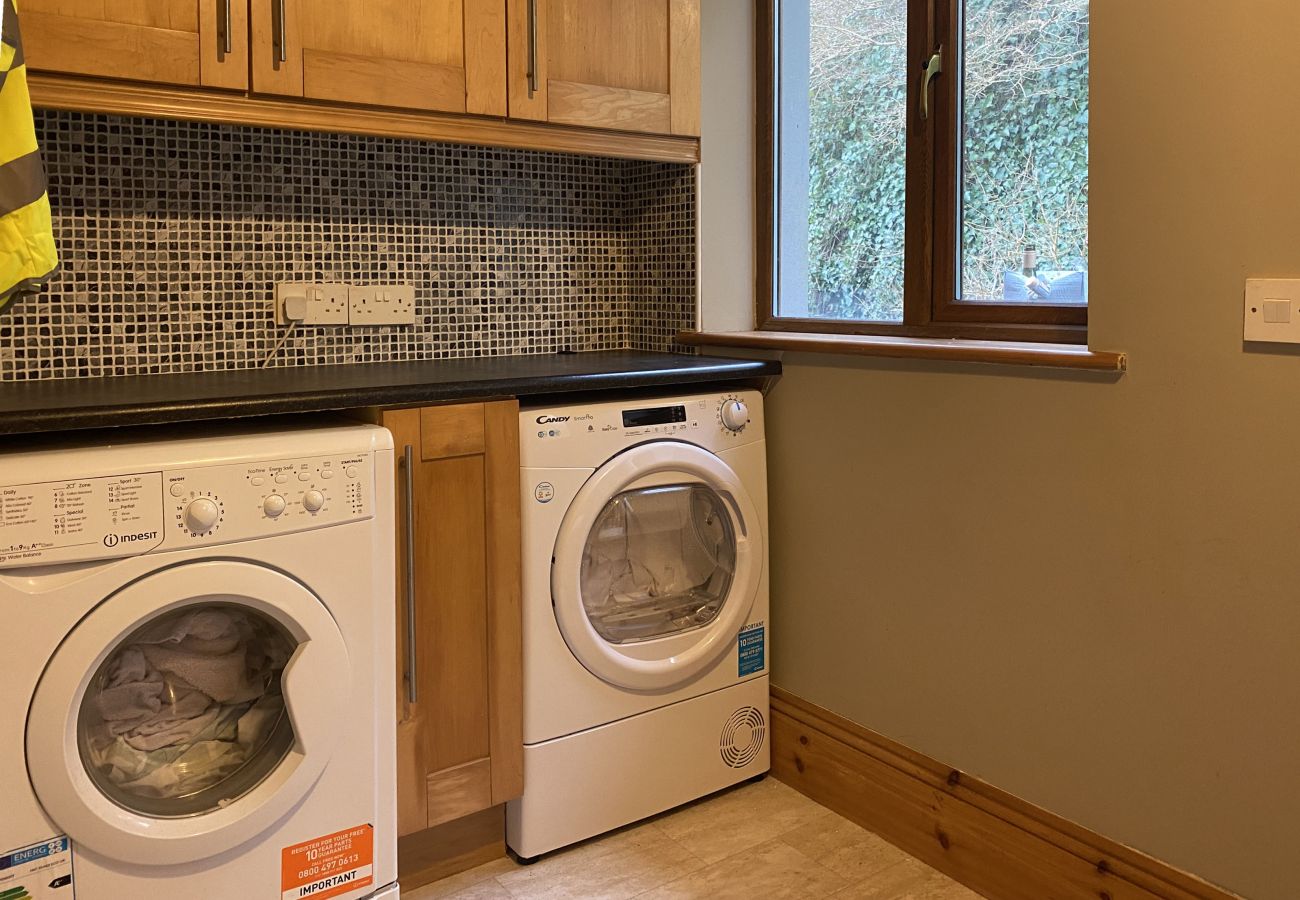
(68, 404)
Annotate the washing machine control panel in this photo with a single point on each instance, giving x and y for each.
(138, 512)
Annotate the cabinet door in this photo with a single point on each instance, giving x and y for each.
(444, 55)
(628, 65)
(178, 42)
(460, 744)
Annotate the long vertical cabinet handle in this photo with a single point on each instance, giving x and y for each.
(931, 69)
(532, 47)
(408, 486)
(280, 28)
(223, 17)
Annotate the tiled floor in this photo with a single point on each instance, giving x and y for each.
(761, 840)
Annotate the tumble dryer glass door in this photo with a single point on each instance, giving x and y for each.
(656, 565)
(187, 712)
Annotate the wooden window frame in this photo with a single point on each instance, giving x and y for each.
(931, 240)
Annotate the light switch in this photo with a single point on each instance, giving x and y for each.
(1272, 310)
(1277, 312)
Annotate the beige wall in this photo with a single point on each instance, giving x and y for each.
(1084, 591)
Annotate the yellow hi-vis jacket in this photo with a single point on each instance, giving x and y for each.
(27, 254)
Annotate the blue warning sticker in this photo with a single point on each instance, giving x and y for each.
(750, 649)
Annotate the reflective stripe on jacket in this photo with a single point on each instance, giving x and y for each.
(27, 254)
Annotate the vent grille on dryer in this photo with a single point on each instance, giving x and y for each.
(742, 737)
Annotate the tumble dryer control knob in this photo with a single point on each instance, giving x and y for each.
(735, 415)
(312, 501)
(273, 505)
(201, 515)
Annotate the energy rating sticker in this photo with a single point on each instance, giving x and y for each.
(328, 866)
(40, 872)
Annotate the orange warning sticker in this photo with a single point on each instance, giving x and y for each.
(328, 866)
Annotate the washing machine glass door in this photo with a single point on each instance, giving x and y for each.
(656, 566)
(187, 712)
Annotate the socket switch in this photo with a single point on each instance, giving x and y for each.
(382, 304)
(318, 303)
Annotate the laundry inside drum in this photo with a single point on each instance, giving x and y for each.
(187, 713)
(659, 561)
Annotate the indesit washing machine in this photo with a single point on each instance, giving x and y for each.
(645, 610)
(198, 665)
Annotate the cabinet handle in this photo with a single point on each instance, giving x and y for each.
(224, 18)
(408, 486)
(532, 48)
(282, 50)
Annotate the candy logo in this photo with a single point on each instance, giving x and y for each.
(543, 420)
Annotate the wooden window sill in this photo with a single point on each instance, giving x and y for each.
(1011, 353)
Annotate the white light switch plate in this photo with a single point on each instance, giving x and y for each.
(382, 304)
(1272, 310)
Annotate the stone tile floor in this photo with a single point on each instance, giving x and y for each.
(762, 840)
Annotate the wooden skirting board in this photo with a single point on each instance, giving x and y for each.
(447, 849)
(989, 840)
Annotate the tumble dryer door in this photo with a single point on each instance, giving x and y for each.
(656, 566)
(188, 712)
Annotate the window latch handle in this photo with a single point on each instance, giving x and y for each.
(932, 68)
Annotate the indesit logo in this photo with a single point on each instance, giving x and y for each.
(112, 540)
(546, 420)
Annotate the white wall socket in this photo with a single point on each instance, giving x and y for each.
(382, 304)
(320, 303)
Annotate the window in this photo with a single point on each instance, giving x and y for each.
(924, 168)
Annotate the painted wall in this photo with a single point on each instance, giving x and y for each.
(1087, 591)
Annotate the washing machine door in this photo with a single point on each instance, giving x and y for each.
(188, 712)
(656, 566)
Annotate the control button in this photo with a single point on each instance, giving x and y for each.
(304, 476)
(273, 505)
(350, 471)
(735, 415)
(282, 478)
(257, 481)
(313, 501)
(327, 473)
(177, 489)
(201, 515)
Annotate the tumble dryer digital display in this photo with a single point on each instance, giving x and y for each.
(659, 415)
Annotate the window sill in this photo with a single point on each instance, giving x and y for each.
(1011, 353)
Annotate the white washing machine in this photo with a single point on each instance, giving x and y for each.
(645, 610)
(198, 666)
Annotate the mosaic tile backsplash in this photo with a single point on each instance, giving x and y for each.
(173, 234)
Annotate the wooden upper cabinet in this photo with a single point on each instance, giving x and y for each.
(628, 65)
(178, 42)
(443, 55)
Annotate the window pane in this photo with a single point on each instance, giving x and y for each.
(1024, 183)
(843, 126)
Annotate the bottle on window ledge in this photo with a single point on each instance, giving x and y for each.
(1037, 288)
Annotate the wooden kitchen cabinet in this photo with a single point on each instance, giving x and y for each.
(460, 728)
(629, 65)
(175, 42)
(443, 55)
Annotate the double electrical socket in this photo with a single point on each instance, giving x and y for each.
(315, 303)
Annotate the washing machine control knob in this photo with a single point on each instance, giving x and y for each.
(312, 501)
(734, 414)
(273, 505)
(201, 515)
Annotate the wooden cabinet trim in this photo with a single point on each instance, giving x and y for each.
(53, 91)
(459, 791)
(485, 57)
(327, 75)
(684, 65)
(505, 600)
(106, 48)
(595, 105)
